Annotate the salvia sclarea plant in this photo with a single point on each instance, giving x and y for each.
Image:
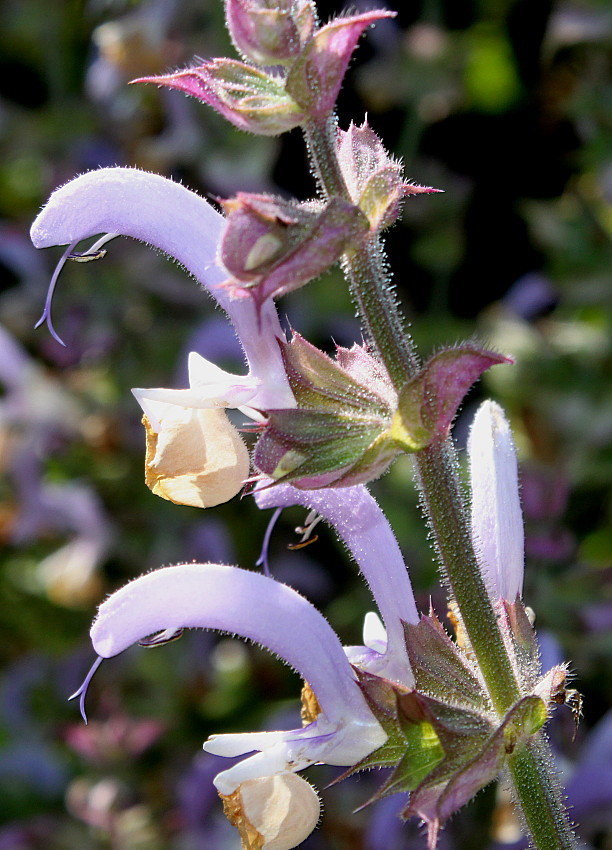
(448, 716)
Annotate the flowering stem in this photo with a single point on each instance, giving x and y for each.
(530, 769)
(447, 517)
(364, 268)
(444, 505)
(436, 466)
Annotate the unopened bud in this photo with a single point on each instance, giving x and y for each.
(374, 179)
(271, 246)
(248, 98)
(270, 33)
(315, 79)
(273, 812)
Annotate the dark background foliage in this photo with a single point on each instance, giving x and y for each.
(504, 104)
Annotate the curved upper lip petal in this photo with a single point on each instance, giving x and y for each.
(183, 225)
(248, 604)
(363, 528)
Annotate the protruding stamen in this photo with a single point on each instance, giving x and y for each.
(82, 691)
(87, 256)
(161, 638)
(312, 520)
(262, 561)
(93, 253)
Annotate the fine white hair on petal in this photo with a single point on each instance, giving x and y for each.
(168, 216)
(497, 521)
(362, 526)
(253, 606)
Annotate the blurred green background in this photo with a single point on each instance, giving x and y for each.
(507, 106)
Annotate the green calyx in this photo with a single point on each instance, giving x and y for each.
(444, 740)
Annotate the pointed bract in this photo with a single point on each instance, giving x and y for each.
(373, 178)
(315, 79)
(250, 99)
(473, 758)
(428, 403)
(271, 246)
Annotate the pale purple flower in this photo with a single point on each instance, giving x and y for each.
(195, 456)
(260, 609)
(365, 531)
(166, 215)
(497, 520)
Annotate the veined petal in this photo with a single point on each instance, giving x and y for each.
(343, 744)
(365, 531)
(212, 596)
(497, 521)
(181, 224)
(231, 390)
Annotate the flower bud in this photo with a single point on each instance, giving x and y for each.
(273, 812)
(315, 79)
(339, 434)
(497, 519)
(271, 246)
(248, 98)
(374, 179)
(270, 33)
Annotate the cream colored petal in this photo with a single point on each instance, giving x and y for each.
(273, 812)
(198, 458)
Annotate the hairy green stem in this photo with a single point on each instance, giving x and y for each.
(530, 766)
(364, 267)
(447, 517)
(444, 504)
(436, 466)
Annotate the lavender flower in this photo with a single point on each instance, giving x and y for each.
(364, 529)
(273, 615)
(341, 729)
(195, 456)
